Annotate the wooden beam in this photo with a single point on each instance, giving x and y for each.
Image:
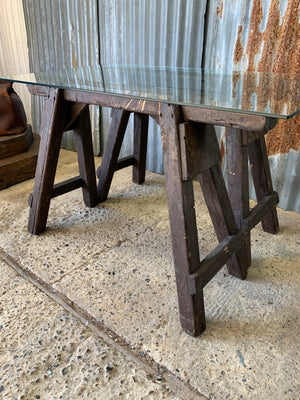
(214, 262)
(263, 207)
(67, 186)
(225, 118)
(124, 162)
(199, 149)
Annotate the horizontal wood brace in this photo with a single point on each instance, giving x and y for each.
(62, 188)
(67, 186)
(262, 208)
(125, 162)
(120, 164)
(214, 262)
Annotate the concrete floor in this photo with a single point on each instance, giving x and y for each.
(89, 309)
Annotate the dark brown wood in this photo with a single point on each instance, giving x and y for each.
(219, 207)
(67, 186)
(85, 156)
(262, 208)
(53, 122)
(214, 262)
(19, 168)
(249, 137)
(189, 149)
(238, 182)
(102, 99)
(125, 162)
(199, 149)
(259, 165)
(75, 109)
(141, 122)
(12, 145)
(111, 153)
(36, 90)
(225, 118)
(62, 188)
(182, 222)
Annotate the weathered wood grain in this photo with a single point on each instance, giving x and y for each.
(199, 149)
(182, 222)
(112, 150)
(259, 165)
(224, 118)
(85, 155)
(238, 181)
(212, 263)
(140, 140)
(53, 122)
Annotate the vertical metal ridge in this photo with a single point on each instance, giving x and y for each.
(62, 34)
(150, 33)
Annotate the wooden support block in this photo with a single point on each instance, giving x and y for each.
(11, 145)
(225, 118)
(20, 167)
(199, 149)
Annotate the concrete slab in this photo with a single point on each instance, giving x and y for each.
(46, 353)
(115, 262)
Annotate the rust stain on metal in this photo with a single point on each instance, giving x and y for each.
(235, 78)
(75, 63)
(220, 10)
(238, 48)
(285, 136)
(254, 37)
(278, 50)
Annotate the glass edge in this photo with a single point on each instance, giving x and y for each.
(167, 101)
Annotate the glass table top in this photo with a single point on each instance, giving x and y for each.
(270, 94)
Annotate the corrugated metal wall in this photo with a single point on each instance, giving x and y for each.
(63, 33)
(156, 32)
(264, 36)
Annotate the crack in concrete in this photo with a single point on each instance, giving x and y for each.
(178, 386)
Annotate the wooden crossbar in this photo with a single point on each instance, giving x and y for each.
(214, 262)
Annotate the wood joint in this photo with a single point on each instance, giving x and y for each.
(199, 149)
(214, 262)
(262, 208)
(67, 186)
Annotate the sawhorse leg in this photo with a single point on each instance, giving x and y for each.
(259, 165)
(241, 145)
(190, 150)
(58, 115)
(111, 162)
(238, 182)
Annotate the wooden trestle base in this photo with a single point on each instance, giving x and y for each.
(190, 150)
